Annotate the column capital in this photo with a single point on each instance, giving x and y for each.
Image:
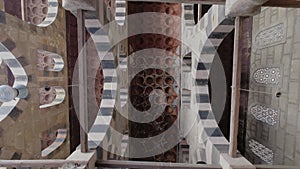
(235, 8)
(74, 5)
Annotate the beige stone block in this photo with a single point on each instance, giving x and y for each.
(296, 34)
(285, 83)
(292, 114)
(281, 13)
(296, 50)
(291, 129)
(282, 121)
(22, 104)
(289, 161)
(297, 157)
(20, 141)
(268, 16)
(290, 26)
(274, 18)
(298, 122)
(298, 12)
(29, 69)
(264, 55)
(9, 137)
(2, 5)
(298, 142)
(34, 147)
(1, 142)
(289, 146)
(6, 154)
(278, 54)
(287, 47)
(293, 92)
(42, 124)
(279, 141)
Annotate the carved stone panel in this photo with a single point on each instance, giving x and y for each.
(265, 114)
(267, 76)
(261, 151)
(271, 36)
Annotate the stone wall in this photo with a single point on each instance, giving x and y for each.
(22, 131)
(275, 48)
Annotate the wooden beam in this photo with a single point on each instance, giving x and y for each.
(39, 163)
(275, 167)
(219, 2)
(283, 3)
(235, 93)
(82, 71)
(140, 164)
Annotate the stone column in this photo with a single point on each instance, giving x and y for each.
(243, 7)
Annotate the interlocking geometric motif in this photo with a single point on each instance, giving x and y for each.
(271, 36)
(36, 11)
(265, 114)
(267, 76)
(261, 151)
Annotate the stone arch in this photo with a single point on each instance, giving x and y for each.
(20, 76)
(61, 135)
(215, 27)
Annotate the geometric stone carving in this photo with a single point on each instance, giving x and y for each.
(49, 61)
(47, 95)
(41, 12)
(271, 36)
(51, 14)
(50, 96)
(36, 11)
(265, 114)
(267, 76)
(261, 151)
(60, 138)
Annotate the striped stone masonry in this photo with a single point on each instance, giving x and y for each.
(103, 46)
(51, 15)
(60, 138)
(120, 12)
(20, 76)
(211, 30)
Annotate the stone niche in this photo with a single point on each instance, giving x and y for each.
(36, 11)
(49, 61)
(51, 96)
